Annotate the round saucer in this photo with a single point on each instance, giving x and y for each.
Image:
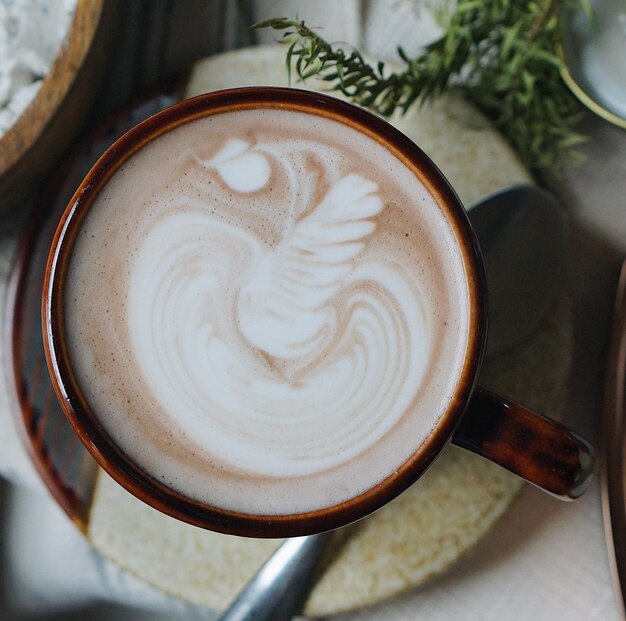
(413, 539)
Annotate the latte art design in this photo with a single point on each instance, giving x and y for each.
(287, 360)
(266, 311)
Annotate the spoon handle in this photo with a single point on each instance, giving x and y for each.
(280, 588)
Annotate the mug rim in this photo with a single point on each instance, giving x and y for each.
(102, 447)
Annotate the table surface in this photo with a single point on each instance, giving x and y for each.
(595, 197)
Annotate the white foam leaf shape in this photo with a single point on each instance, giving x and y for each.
(283, 307)
(241, 168)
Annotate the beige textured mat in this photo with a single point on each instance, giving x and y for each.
(421, 533)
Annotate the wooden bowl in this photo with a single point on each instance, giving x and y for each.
(56, 114)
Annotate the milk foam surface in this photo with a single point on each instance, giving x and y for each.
(267, 311)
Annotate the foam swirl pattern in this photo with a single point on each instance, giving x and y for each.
(278, 330)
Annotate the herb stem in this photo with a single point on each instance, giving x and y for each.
(501, 53)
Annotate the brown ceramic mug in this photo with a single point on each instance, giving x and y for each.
(99, 306)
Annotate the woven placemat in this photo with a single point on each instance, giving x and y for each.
(426, 529)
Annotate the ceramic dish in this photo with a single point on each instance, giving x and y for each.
(613, 464)
(53, 118)
(594, 49)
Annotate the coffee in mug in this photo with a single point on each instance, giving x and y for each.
(265, 306)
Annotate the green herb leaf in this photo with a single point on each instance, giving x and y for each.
(501, 53)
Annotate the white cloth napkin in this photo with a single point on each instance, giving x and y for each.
(545, 561)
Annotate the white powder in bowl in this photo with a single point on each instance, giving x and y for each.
(31, 35)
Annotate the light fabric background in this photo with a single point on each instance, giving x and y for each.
(546, 560)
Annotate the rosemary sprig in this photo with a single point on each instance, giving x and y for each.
(501, 53)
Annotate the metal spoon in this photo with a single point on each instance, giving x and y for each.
(523, 235)
(523, 232)
(280, 588)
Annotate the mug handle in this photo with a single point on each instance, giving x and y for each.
(534, 447)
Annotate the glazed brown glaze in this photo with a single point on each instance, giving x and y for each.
(91, 432)
(66, 468)
(485, 440)
(536, 448)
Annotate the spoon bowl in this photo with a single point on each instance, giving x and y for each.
(523, 233)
